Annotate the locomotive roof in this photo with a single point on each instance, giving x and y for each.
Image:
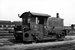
(34, 14)
(40, 14)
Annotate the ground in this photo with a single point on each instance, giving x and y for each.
(6, 44)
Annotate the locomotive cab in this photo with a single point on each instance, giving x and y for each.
(33, 24)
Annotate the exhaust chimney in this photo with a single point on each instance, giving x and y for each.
(57, 15)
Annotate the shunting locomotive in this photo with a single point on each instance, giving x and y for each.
(39, 27)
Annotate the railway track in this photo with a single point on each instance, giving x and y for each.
(7, 42)
(60, 45)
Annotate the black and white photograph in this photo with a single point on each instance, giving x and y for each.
(37, 24)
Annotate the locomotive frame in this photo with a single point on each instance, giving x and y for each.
(35, 28)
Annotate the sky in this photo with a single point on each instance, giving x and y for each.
(9, 9)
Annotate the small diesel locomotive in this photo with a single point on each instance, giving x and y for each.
(39, 27)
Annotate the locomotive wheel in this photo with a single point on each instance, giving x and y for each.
(60, 37)
(35, 38)
(16, 37)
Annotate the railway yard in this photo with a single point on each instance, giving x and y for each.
(7, 42)
(41, 30)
